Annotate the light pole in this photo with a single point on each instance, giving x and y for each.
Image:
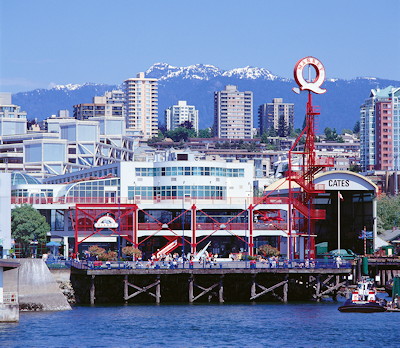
(183, 224)
(246, 245)
(34, 245)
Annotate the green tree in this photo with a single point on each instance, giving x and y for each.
(331, 135)
(264, 138)
(388, 210)
(158, 138)
(180, 134)
(27, 225)
(205, 133)
(356, 128)
(272, 132)
(186, 124)
(356, 168)
(283, 129)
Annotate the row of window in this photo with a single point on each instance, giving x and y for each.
(92, 188)
(24, 193)
(191, 171)
(171, 192)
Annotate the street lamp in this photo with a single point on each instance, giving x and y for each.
(183, 224)
(34, 245)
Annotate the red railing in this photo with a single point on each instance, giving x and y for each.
(204, 226)
(154, 200)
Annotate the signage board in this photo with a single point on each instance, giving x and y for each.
(106, 221)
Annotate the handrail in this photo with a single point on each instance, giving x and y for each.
(150, 200)
(204, 264)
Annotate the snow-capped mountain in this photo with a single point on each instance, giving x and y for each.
(69, 87)
(197, 83)
(164, 71)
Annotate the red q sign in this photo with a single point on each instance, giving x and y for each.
(313, 86)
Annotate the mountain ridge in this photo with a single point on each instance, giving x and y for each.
(197, 84)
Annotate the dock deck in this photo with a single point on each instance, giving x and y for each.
(220, 282)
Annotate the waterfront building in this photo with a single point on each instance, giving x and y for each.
(177, 115)
(233, 114)
(12, 119)
(161, 189)
(276, 115)
(109, 105)
(69, 145)
(380, 129)
(141, 106)
(179, 197)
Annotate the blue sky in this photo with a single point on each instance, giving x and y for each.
(44, 42)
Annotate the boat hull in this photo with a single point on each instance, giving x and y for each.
(370, 307)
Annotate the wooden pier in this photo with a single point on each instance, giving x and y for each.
(386, 268)
(218, 285)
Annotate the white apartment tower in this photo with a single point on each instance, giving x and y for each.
(141, 106)
(233, 114)
(176, 115)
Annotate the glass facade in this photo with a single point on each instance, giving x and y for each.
(171, 192)
(93, 188)
(54, 152)
(33, 153)
(191, 171)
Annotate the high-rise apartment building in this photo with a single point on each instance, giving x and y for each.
(380, 130)
(141, 106)
(233, 114)
(177, 115)
(111, 104)
(276, 115)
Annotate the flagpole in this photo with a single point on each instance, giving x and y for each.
(338, 224)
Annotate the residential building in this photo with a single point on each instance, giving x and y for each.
(380, 129)
(111, 104)
(276, 115)
(63, 113)
(233, 114)
(12, 119)
(141, 106)
(176, 115)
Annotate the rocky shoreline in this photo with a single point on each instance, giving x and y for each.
(68, 291)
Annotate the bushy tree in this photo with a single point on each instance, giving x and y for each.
(186, 124)
(156, 139)
(356, 128)
(388, 210)
(101, 253)
(205, 133)
(272, 132)
(267, 250)
(131, 251)
(96, 251)
(27, 225)
(180, 134)
(283, 129)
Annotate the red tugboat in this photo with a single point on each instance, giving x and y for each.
(363, 299)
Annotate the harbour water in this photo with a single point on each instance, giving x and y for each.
(229, 325)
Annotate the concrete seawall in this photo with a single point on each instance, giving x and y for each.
(38, 290)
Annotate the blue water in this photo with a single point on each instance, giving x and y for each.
(233, 325)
